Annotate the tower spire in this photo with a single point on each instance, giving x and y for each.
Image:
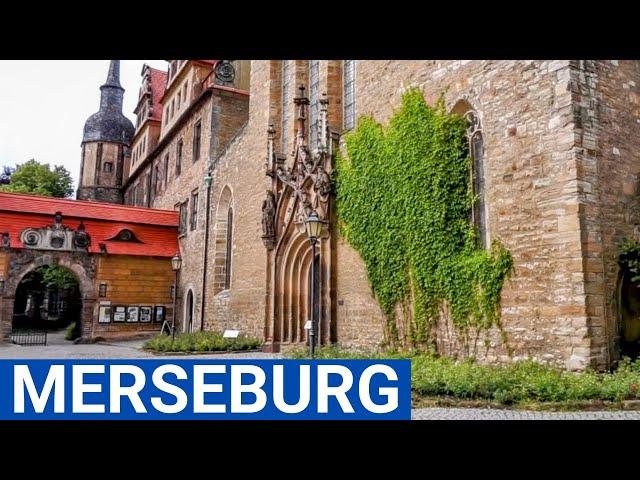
(113, 77)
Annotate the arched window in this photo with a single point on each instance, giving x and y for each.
(476, 150)
(224, 242)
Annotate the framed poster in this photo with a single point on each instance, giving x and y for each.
(104, 316)
(145, 314)
(159, 313)
(119, 313)
(132, 314)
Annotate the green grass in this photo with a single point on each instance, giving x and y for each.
(516, 383)
(201, 342)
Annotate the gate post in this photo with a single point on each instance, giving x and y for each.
(6, 317)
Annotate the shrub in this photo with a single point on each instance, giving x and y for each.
(201, 342)
(72, 332)
(519, 382)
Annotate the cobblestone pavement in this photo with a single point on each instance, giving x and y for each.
(499, 414)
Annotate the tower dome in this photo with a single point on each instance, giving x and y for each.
(108, 124)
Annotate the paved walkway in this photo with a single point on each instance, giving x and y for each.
(58, 347)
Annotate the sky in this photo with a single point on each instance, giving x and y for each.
(44, 104)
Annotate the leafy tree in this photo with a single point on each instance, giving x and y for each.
(58, 278)
(5, 176)
(40, 179)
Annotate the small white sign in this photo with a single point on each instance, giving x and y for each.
(307, 326)
(231, 334)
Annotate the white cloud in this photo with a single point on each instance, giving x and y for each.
(44, 104)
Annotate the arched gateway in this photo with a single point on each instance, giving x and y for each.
(120, 257)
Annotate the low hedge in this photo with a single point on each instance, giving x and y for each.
(201, 342)
(518, 382)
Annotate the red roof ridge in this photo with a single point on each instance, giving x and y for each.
(167, 215)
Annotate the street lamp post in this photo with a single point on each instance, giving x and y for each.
(313, 228)
(176, 264)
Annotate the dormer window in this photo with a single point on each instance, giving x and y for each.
(125, 235)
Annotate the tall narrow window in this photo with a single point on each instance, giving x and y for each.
(149, 187)
(179, 158)
(284, 124)
(197, 130)
(166, 169)
(314, 85)
(183, 218)
(479, 213)
(349, 93)
(227, 271)
(173, 102)
(152, 184)
(194, 211)
(156, 187)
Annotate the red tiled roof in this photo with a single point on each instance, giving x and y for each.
(158, 83)
(156, 229)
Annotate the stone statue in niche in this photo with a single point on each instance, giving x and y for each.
(5, 240)
(268, 216)
(81, 238)
(305, 206)
(322, 185)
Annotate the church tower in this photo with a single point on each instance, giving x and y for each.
(106, 144)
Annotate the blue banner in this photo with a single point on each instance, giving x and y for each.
(205, 389)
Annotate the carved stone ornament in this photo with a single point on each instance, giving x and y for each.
(322, 184)
(268, 220)
(81, 238)
(56, 237)
(307, 178)
(224, 71)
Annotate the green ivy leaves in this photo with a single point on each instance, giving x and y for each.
(629, 258)
(404, 202)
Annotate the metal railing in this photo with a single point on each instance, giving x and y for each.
(29, 337)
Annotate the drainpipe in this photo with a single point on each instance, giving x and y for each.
(207, 180)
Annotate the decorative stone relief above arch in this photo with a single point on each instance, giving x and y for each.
(56, 237)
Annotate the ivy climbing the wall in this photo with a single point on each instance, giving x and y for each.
(404, 199)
